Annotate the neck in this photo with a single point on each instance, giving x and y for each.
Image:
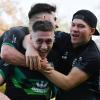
(80, 44)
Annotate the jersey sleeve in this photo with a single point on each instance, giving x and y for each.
(61, 37)
(88, 63)
(14, 37)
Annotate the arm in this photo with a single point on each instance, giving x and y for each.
(11, 43)
(12, 55)
(66, 82)
(69, 81)
(3, 97)
(80, 72)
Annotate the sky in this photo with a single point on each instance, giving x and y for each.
(65, 8)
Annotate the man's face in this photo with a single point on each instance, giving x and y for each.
(80, 32)
(43, 42)
(44, 16)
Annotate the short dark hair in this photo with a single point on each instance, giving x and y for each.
(89, 17)
(43, 26)
(41, 7)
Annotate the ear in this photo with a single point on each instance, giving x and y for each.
(92, 31)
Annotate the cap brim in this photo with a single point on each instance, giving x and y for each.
(96, 32)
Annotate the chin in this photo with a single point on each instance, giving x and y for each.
(43, 56)
(74, 41)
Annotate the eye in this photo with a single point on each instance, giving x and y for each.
(72, 24)
(81, 26)
(49, 41)
(39, 41)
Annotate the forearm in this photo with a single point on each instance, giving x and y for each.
(12, 56)
(58, 79)
(66, 82)
(3, 97)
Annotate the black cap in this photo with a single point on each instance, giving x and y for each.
(88, 17)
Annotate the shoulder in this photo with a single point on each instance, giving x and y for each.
(19, 29)
(62, 37)
(92, 52)
(60, 34)
(93, 49)
(15, 35)
(62, 42)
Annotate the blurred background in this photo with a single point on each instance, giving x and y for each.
(14, 12)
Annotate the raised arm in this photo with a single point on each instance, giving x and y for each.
(13, 39)
(12, 55)
(10, 51)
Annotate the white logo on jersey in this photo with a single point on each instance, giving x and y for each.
(65, 55)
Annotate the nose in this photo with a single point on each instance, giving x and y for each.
(74, 29)
(44, 45)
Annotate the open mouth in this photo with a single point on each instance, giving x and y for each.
(75, 35)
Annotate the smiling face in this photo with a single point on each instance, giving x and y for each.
(42, 37)
(43, 42)
(80, 32)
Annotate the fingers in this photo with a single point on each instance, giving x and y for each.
(32, 58)
(38, 63)
(47, 69)
(30, 62)
(27, 61)
(33, 62)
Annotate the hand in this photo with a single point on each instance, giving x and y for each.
(4, 97)
(32, 58)
(46, 67)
